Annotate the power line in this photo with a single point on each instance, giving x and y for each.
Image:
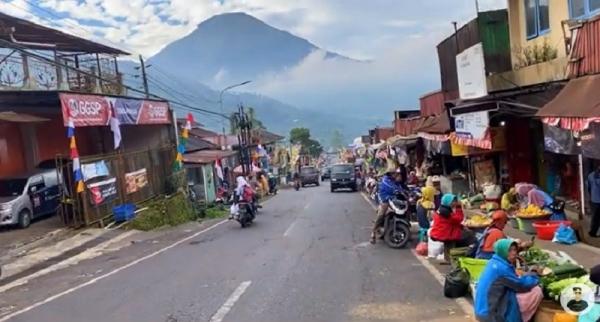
(181, 83)
(23, 50)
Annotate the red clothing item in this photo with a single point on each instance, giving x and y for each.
(447, 228)
(493, 236)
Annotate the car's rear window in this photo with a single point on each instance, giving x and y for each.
(342, 169)
(310, 170)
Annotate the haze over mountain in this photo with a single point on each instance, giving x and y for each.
(234, 47)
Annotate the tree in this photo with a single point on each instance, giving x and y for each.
(256, 123)
(301, 135)
(337, 140)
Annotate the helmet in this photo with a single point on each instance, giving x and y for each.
(499, 216)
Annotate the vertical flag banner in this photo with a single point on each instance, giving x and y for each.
(77, 174)
(185, 134)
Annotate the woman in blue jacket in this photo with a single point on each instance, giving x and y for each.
(496, 298)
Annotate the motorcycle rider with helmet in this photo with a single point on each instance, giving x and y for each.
(390, 185)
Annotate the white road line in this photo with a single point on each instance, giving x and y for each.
(234, 297)
(306, 206)
(289, 230)
(113, 272)
(462, 303)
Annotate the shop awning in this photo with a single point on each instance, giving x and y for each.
(576, 106)
(438, 124)
(206, 156)
(20, 117)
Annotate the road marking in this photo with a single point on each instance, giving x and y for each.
(306, 206)
(289, 230)
(234, 297)
(461, 302)
(113, 272)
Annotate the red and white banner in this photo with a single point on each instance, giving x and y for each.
(96, 110)
(576, 124)
(484, 143)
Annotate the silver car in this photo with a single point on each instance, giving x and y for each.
(29, 196)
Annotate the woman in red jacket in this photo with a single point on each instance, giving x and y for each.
(447, 223)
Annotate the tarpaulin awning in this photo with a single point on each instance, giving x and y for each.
(20, 117)
(437, 124)
(206, 156)
(576, 106)
(397, 140)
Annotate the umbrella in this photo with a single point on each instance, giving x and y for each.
(239, 169)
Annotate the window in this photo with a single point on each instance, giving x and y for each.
(584, 8)
(537, 16)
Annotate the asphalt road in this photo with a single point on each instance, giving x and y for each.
(306, 258)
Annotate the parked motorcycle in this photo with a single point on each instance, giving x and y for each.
(396, 228)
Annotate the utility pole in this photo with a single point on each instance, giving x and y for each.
(477, 6)
(144, 79)
(244, 126)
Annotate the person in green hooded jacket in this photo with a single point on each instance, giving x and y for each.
(498, 285)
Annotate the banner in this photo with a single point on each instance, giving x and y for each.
(94, 170)
(135, 181)
(590, 142)
(560, 141)
(95, 110)
(470, 69)
(103, 191)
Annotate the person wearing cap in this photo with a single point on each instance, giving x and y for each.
(577, 304)
(447, 223)
(498, 285)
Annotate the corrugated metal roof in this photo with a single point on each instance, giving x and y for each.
(206, 156)
(585, 54)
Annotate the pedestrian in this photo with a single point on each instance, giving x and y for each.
(425, 207)
(497, 288)
(593, 185)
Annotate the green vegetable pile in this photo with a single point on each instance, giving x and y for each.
(555, 288)
(535, 255)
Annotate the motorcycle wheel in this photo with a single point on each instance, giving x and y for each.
(397, 238)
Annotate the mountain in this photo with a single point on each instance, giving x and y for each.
(230, 48)
(233, 47)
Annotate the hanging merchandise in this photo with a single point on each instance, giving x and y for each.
(77, 175)
(115, 127)
(185, 134)
(560, 141)
(219, 169)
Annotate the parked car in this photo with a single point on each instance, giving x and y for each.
(343, 176)
(309, 175)
(28, 196)
(325, 173)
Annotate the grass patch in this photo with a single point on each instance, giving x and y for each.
(165, 211)
(215, 212)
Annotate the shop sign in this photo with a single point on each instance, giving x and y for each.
(135, 181)
(103, 191)
(470, 69)
(95, 110)
(472, 125)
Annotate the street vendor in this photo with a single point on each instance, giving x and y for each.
(509, 200)
(540, 198)
(495, 232)
(425, 206)
(497, 288)
(447, 223)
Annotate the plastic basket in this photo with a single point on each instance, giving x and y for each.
(473, 265)
(526, 224)
(124, 212)
(545, 229)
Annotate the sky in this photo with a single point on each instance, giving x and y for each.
(397, 37)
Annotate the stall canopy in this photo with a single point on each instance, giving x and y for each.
(20, 117)
(207, 156)
(576, 106)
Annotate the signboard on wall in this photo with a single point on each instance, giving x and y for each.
(470, 69)
(472, 125)
(95, 110)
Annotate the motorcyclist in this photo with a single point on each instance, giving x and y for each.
(297, 180)
(390, 185)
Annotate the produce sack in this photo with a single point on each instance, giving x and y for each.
(456, 283)
(434, 248)
(529, 302)
(565, 235)
(422, 248)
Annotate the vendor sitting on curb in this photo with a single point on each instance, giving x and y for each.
(495, 298)
(447, 223)
(495, 232)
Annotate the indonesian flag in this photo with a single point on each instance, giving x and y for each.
(219, 168)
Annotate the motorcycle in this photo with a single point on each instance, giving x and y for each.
(297, 184)
(396, 227)
(244, 213)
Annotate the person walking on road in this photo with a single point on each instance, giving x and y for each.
(593, 185)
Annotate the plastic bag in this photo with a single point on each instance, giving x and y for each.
(456, 283)
(422, 248)
(234, 209)
(434, 248)
(565, 235)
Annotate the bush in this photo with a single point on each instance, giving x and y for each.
(215, 212)
(165, 211)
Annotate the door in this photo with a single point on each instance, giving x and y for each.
(521, 151)
(209, 182)
(37, 194)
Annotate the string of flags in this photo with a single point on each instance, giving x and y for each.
(183, 139)
(77, 174)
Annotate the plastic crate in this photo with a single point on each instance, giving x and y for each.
(473, 265)
(124, 212)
